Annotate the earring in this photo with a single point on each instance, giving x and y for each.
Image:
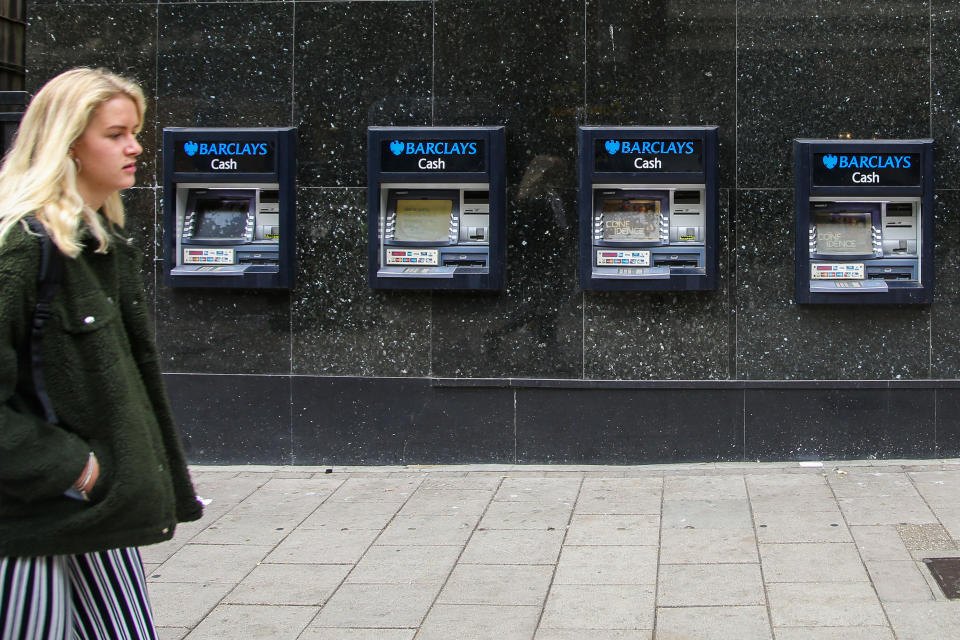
(76, 164)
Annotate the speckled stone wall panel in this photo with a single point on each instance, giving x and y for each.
(534, 328)
(651, 62)
(121, 38)
(500, 62)
(357, 64)
(826, 68)
(225, 65)
(945, 91)
(945, 311)
(680, 335)
(223, 330)
(399, 421)
(232, 419)
(778, 339)
(341, 326)
(948, 423)
(823, 423)
(628, 426)
(140, 208)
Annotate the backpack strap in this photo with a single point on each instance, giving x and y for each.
(48, 283)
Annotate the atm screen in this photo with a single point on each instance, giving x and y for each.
(631, 219)
(844, 233)
(221, 218)
(423, 220)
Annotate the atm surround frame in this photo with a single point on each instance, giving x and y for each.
(283, 177)
(590, 179)
(898, 292)
(492, 179)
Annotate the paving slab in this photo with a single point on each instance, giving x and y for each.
(713, 623)
(339, 546)
(257, 623)
(479, 622)
(289, 584)
(824, 604)
(706, 514)
(607, 565)
(513, 547)
(429, 530)
(526, 515)
(812, 562)
(617, 530)
(378, 606)
(492, 584)
(833, 633)
(405, 565)
(571, 606)
(690, 585)
(698, 546)
(800, 525)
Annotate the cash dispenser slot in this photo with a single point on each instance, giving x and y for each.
(676, 260)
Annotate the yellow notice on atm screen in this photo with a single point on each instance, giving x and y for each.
(424, 206)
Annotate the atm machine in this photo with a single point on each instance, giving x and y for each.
(648, 208)
(864, 221)
(228, 207)
(436, 207)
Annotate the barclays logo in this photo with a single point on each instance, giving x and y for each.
(192, 148)
(399, 148)
(649, 147)
(831, 161)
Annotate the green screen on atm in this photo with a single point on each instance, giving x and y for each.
(843, 233)
(220, 218)
(423, 220)
(631, 219)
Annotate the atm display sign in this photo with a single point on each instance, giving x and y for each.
(649, 155)
(433, 156)
(835, 169)
(224, 156)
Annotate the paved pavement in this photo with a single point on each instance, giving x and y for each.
(667, 552)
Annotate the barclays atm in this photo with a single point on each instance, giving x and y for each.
(648, 208)
(436, 207)
(864, 221)
(228, 207)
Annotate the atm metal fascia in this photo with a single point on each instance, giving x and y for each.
(708, 135)
(495, 279)
(803, 151)
(284, 177)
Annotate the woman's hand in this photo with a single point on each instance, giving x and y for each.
(88, 478)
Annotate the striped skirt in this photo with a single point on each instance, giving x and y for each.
(92, 596)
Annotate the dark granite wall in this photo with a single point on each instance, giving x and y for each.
(764, 72)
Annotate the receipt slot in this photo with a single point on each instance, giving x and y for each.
(436, 203)
(864, 215)
(648, 208)
(228, 207)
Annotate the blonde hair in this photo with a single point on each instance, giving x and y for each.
(38, 176)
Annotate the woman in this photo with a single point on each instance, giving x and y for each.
(80, 492)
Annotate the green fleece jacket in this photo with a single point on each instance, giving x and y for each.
(103, 377)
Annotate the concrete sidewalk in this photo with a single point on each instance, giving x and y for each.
(697, 551)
